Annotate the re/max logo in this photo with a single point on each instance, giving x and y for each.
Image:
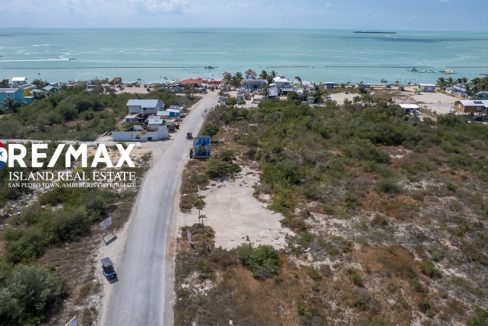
(14, 155)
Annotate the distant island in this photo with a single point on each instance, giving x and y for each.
(373, 32)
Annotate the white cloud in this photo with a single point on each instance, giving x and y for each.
(94, 6)
(159, 6)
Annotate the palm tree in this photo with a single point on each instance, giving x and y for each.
(441, 82)
(237, 79)
(251, 74)
(263, 75)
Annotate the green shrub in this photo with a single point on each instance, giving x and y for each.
(28, 294)
(389, 186)
(480, 318)
(356, 278)
(218, 168)
(210, 129)
(427, 267)
(263, 261)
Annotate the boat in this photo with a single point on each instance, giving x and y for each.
(384, 81)
(374, 32)
(72, 59)
(448, 71)
(210, 67)
(414, 69)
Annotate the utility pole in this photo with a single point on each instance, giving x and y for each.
(201, 218)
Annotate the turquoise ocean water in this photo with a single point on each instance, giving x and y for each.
(315, 55)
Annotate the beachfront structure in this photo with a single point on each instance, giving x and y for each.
(427, 88)
(482, 96)
(471, 106)
(144, 106)
(254, 84)
(411, 109)
(330, 85)
(273, 91)
(459, 90)
(16, 94)
(17, 81)
(283, 84)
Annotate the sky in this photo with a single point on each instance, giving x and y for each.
(427, 15)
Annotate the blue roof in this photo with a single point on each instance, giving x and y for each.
(143, 103)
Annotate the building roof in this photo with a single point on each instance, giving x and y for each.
(160, 113)
(474, 103)
(409, 106)
(144, 103)
(427, 85)
(8, 90)
(19, 79)
(175, 107)
(173, 110)
(280, 80)
(154, 121)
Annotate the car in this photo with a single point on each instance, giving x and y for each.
(108, 269)
(189, 135)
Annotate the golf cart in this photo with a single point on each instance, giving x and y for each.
(108, 269)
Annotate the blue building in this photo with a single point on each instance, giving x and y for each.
(16, 94)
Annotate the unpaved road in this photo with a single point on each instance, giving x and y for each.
(143, 295)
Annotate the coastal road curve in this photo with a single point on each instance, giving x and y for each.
(143, 294)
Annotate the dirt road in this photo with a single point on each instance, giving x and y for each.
(143, 294)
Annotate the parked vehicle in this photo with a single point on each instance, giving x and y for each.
(108, 269)
(189, 135)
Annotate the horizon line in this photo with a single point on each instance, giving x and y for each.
(242, 28)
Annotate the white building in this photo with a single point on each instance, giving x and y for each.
(427, 88)
(144, 106)
(17, 81)
(153, 134)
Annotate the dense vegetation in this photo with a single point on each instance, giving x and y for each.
(400, 187)
(27, 293)
(74, 114)
(45, 223)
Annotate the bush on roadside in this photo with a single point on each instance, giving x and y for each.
(263, 261)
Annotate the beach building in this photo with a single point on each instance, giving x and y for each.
(17, 81)
(330, 85)
(482, 96)
(14, 93)
(174, 113)
(471, 106)
(144, 106)
(284, 85)
(254, 84)
(273, 91)
(411, 109)
(427, 88)
(459, 90)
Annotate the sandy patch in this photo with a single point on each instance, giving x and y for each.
(236, 215)
(341, 97)
(439, 103)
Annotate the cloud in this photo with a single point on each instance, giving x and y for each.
(159, 6)
(94, 6)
